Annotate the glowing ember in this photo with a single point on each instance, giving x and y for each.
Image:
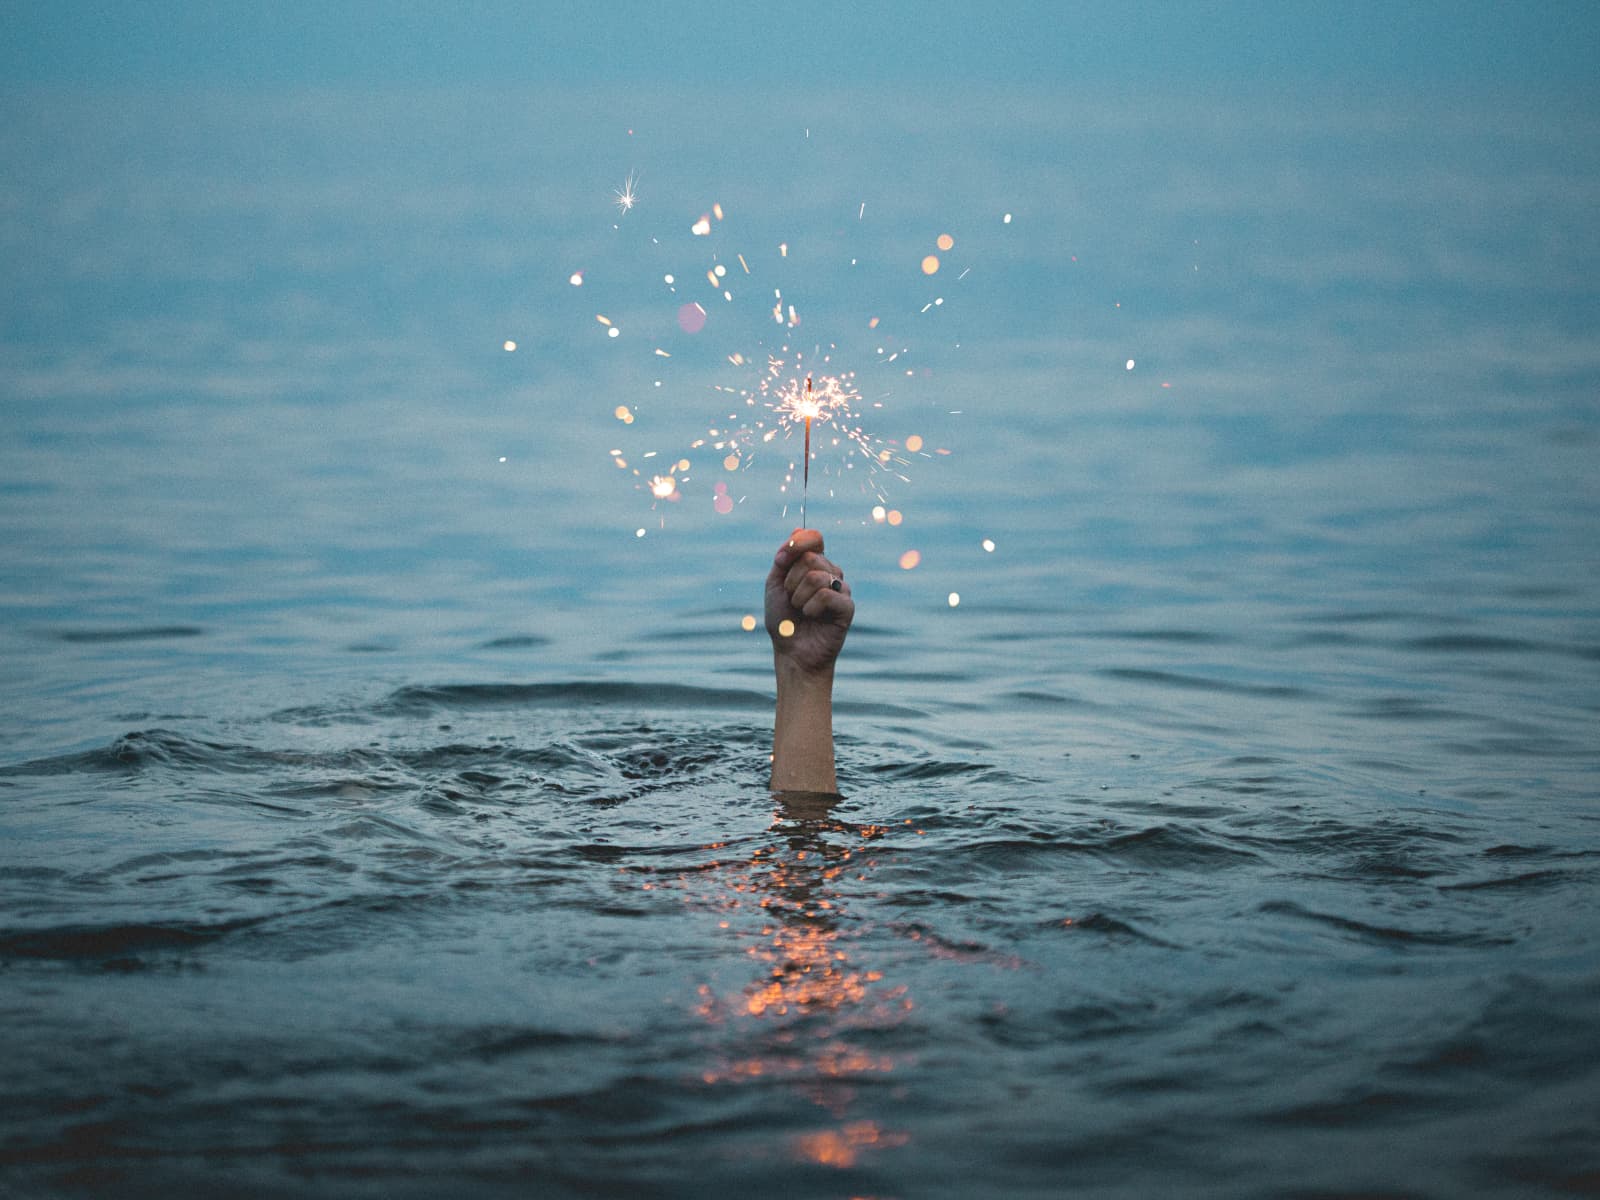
(988, 546)
(785, 628)
(748, 623)
(955, 599)
(930, 264)
(626, 197)
(945, 241)
(910, 559)
(913, 443)
(664, 487)
(509, 347)
(576, 279)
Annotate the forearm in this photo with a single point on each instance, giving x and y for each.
(802, 734)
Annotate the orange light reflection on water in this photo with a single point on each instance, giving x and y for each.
(810, 1002)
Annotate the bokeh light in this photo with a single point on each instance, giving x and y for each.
(691, 318)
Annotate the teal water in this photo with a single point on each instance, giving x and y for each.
(383, 814)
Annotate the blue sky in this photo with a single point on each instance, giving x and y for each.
(1471, 45)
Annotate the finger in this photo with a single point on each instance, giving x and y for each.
(835, 608)
(787, 556)
(811, 562)
(810, 584)
(803, 540)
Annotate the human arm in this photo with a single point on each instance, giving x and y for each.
(807, 618)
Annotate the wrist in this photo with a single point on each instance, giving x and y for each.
(793, 676)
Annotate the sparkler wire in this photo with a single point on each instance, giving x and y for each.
(805, 475)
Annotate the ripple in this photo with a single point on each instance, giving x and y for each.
(140, 633)
(1203, 684)
(1384, 934)
(1470, 643)
(118, 941)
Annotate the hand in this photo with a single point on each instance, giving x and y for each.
(799, 590)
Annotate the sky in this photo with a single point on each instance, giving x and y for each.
(1546, 46)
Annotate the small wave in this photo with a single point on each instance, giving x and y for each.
(1527, 1029)
(1160, 847)
(1378, 616)
(1527, 880)
(105, 942)
(1191, 637)
(420, 699)
(1355, 1106)
(1046, 699)
(1174, 847)
(1387, 934)
(522, 641)
(145, 747)
(1470, 643)
(933, 769)
(1203, 684)
(1404, 708)
(1106, 926)
(142, 633)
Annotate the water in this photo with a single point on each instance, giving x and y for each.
(383, 819)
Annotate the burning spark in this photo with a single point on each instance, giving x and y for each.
(626, 197)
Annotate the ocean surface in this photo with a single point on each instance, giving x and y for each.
(382, 766)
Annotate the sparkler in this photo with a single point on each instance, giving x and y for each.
(822, 399)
